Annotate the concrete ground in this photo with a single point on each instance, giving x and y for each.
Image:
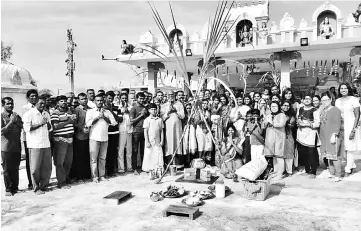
(295, 203)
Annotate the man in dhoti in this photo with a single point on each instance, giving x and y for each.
(172, 114)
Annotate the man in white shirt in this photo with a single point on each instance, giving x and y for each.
(32, 97)
(37, 126)
(98, 119)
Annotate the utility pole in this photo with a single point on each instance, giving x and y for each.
(70, 60)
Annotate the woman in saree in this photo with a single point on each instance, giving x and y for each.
(225, 112)
(229, 151)
(350, 113)
(330, 126)
(203, 135)
(238, 114)
(276, 138)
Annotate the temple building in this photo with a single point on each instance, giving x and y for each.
(321, 51)
(15, 82)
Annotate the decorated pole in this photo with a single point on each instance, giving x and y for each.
(70, 60)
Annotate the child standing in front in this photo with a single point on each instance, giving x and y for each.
(154, 137)
(254, 142)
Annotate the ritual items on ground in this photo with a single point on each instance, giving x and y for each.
(192, 201)
(212, 188)
(205, 175)
(253, 169)
(255, 190)
(156, 173)
(173, 170)
(204, 195)
(198, 163)
(154, 196)
(190, 173)
(172, 191)
(220, 189)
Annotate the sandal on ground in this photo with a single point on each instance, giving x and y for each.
(9, 194)
(39, 192)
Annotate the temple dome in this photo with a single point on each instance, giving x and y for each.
(16, 77)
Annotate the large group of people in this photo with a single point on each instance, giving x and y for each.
(105, 134)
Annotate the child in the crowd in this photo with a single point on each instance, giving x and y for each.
(256, 138)
(154, 139)
(246, 137)
(254, 141)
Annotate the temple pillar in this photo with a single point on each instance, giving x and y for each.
(285, 70)
(153, 68)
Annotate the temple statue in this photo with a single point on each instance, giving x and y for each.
(263, 33)
(246, 36)
(357, 14)
(326, 31)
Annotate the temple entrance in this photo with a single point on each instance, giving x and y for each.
(244, 32)
(326, 24)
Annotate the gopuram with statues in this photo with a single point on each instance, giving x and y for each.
(318, 52)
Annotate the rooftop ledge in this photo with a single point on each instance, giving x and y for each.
(141, 59)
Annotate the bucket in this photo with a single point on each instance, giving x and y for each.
(173, 170)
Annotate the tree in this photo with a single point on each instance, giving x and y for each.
(45, 91)
(6, 52)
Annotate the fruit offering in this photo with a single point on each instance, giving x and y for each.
(172, 191)
(204, 195)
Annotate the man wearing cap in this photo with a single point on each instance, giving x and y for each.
(63, 120)
(172, 113)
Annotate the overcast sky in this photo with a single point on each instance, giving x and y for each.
(37, 31)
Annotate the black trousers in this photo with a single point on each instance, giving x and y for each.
(111, 163)
(247, 150)
(137, 143)
(308, 157)
(27, 164)
(80, 167)
(10, 164)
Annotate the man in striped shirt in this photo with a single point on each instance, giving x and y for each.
(62, 120)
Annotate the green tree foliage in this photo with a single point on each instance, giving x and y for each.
(6, 52)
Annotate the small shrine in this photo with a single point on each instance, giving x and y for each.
(15, 82)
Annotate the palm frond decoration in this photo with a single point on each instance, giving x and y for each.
(217, 31)
(274, 75)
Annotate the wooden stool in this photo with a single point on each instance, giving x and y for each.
(179, 210)
(117, 197)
